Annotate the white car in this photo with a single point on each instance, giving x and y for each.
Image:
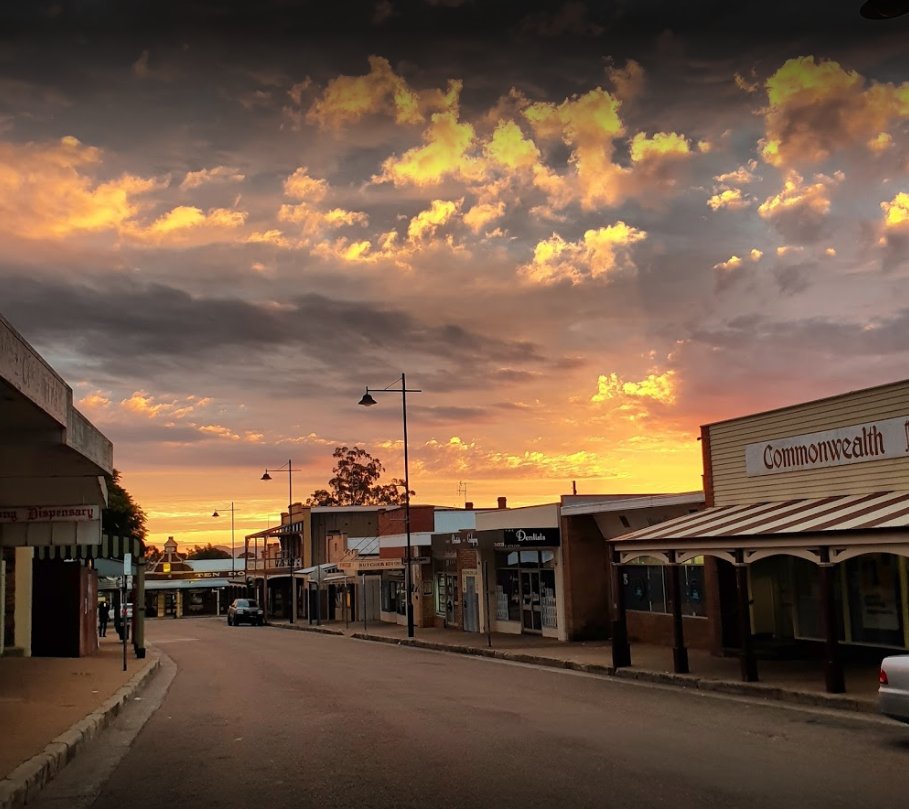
(893, 694)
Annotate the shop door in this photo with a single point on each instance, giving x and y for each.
(531, 608)
(471, 605)
(451, 603)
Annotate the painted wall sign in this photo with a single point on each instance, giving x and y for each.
(50, 513)
(873, 441)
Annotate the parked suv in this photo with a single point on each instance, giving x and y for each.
(245, 610)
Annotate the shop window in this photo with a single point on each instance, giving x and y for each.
(548, 604)
(647, 587)
(508, 595)
(875, 603)
(441, 593)
(391, 597)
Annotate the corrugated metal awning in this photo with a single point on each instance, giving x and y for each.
(110, 547)
(880, 510)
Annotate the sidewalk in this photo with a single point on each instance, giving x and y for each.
(51, 706)
(793, 681)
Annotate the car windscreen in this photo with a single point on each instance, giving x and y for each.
(251, 603)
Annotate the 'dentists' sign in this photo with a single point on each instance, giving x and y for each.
(876, 440)
(530, 537)
(29, 514)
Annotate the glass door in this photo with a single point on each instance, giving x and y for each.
(531, 606)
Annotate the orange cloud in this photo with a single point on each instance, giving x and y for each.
(347, 99)
(426, 223)
(46, 191)
(445, 153)
(731, 198)
(662, 146)
(589, 124)
(481, 215)
(194, 179)
(313, 219)
(599, 253)
(796, 198)
(817, 107)
(896, 213)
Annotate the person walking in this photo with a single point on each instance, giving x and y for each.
(102, 618)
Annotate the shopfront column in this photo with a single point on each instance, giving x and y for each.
(833, 666)
(621, 651)
(746, 652)
(679, 652)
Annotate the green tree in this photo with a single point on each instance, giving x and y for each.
(208, 551)
(356, 482)
(123, 516)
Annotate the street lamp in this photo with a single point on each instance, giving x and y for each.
(290, 503)
(233, 556)
(368, 401)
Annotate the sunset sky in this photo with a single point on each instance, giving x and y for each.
(582, 229)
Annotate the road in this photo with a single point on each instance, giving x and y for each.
(270, 718)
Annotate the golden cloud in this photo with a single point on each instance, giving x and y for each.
(796, 197)
(313, 219)
(46, 193)
(815, 107)
(662, 146)
(481, 215)
(588, 123)
(347, 99)
(896, 213)
(426, 223)
(731, 263)
(143, 404)
(657, 387)
(601, 252)
(194, 179)
(445, 153)
(731, 198)
(627, 81)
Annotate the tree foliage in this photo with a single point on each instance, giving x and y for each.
(153, 553)
(208, 551)
(356, 482)
(123, 516)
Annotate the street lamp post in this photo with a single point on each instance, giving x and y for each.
(368, 401)
(290, 505)
(233, 555)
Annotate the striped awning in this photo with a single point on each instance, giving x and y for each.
(109, 548)
(881, 510)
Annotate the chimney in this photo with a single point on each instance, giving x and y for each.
(468, 506)
(502, 502)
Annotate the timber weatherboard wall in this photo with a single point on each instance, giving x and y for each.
(728, 439)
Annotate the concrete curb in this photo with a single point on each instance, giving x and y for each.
(23, 784)
(321, 630)
(771, 693)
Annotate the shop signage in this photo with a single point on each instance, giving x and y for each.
(363, 565)
(872, 441)
(530, 537)
(50, 514)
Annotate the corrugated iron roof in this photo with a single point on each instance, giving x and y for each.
(855, 512)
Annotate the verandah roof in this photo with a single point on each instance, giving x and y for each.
(847, 524)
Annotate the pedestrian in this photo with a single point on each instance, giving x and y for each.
(102, 618)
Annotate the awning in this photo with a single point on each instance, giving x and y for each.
(109, 548)
(847, 524)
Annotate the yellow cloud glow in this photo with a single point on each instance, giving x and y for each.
(601, 252)
(815, 107)
(658, 387)
(896, 212)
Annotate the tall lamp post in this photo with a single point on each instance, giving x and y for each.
(290, 503)
(233, 557)
(368, 401)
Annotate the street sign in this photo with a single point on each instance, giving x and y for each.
(127, 564)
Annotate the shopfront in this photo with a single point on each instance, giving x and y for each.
(522, 563)
(805, 537)
(455, 574)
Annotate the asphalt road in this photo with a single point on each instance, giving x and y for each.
(263, 717)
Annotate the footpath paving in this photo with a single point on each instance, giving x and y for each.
(50, 707)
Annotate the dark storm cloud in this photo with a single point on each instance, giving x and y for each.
(160, 326)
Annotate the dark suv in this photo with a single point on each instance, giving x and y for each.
(245, 610)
